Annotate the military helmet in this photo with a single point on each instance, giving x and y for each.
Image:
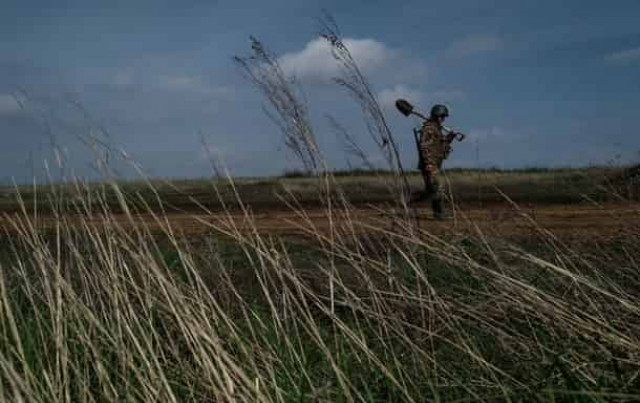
(439, 111)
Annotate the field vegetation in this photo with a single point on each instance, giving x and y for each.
(98, 305)
(96, 311)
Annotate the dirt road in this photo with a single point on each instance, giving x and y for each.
(611, 219)
(563, 220)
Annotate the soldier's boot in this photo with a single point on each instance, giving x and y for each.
(438, 211)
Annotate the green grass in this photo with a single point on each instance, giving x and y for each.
(105, 313)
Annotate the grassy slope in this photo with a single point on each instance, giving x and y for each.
(468, 186)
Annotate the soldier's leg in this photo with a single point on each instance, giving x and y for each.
(429, 188)
(433, 192)
(437, 197)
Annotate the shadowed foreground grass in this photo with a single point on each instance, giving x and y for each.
(96, 312)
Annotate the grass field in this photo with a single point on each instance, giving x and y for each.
(107, 295)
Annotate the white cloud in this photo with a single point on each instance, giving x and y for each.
(9, 105)
(193, 85)
(316, 62)
(474, 44)
(624, 56)
(388, 97)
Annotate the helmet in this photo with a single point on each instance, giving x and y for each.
(439, 110)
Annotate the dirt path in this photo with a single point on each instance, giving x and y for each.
(564, 220)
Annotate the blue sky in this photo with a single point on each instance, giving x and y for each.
(536, 83)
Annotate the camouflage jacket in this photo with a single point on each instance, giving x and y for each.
(433, 145)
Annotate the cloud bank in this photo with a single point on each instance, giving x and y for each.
(315, 62)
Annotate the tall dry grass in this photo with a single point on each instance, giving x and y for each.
(96, 308)
(98, 305)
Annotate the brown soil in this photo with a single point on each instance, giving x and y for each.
(608, 220)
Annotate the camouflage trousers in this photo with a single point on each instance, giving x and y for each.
(433, 191)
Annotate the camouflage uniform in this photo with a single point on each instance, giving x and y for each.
(434, 149)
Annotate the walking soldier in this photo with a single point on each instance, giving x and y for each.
(434, 149)
(434, 146)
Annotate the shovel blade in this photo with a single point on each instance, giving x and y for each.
(404, 107)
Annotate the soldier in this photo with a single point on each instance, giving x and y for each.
(434, 148)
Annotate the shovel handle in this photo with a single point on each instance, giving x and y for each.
(460, 136)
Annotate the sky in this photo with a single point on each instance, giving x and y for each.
(532, 83)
